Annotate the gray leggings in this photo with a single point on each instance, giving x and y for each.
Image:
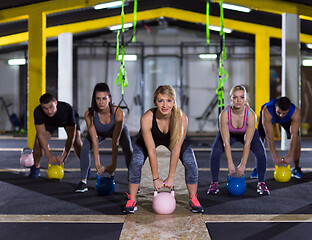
(85, 155)
(188, 160)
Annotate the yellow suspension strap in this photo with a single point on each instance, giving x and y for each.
(222, 57)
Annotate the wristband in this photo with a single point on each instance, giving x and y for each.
(155, 179)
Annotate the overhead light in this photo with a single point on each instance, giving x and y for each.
(129, 57)
(114, 4)
(207, 56)
(236, 8)
(218, 29)
(307, 62)
(118, 27)
(309, 45)
(17, 61)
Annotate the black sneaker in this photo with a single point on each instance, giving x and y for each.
(82, 187)
(34, 172)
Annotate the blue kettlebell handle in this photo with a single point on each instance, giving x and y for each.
(106, 174)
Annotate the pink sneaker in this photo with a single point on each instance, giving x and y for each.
(131, 206)
(214, 188)
(195, 205)
(262, 189)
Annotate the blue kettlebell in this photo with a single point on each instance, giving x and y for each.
(105, 185)
(236, 186)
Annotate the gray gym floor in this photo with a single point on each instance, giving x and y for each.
(44, 209)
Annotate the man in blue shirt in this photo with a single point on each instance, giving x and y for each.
(285, 113)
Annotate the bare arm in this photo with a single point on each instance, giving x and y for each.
(146, 126)
(225, 133)
(269, 130)
(294, 129)
(71, 132)
(43, 137)
(95, 143)
(119, 120)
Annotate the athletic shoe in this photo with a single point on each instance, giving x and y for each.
(262, 189)
(139, 190)
(131, 205)
(34, 172)
(214, 188)
(297, 173)
(82, 187)
(195, 205)
(254, 174)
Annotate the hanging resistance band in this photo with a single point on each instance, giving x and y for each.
(134, 20)
(121, 79)
(207, 23)
(222, 57)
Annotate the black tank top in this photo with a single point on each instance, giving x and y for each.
(159, 137)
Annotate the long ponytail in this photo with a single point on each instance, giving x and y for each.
(176, 128)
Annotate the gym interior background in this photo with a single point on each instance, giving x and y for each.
(170, 36)
(167, 53)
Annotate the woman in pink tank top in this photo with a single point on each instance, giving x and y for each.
(237, 122)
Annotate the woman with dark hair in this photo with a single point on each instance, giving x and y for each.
(104, 120)
(165, 125)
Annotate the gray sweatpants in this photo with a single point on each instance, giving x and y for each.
(188, 160)
(85, 155)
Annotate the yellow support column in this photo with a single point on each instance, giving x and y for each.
(262, 81)
(36, 68)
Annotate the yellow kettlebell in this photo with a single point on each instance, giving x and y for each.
(282, 173)
(55, 172)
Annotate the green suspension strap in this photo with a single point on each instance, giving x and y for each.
(207, 23)
(135, 7)
(121, 79)
(222, 57)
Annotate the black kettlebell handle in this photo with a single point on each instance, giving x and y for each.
(172, 189)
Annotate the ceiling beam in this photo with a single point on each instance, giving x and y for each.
(182, 15)
(48, 7)
(275, 6)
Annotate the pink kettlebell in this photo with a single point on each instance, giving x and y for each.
(27, 159)
(164, 202)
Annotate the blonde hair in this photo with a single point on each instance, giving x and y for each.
(176, 127)
(239, 88)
